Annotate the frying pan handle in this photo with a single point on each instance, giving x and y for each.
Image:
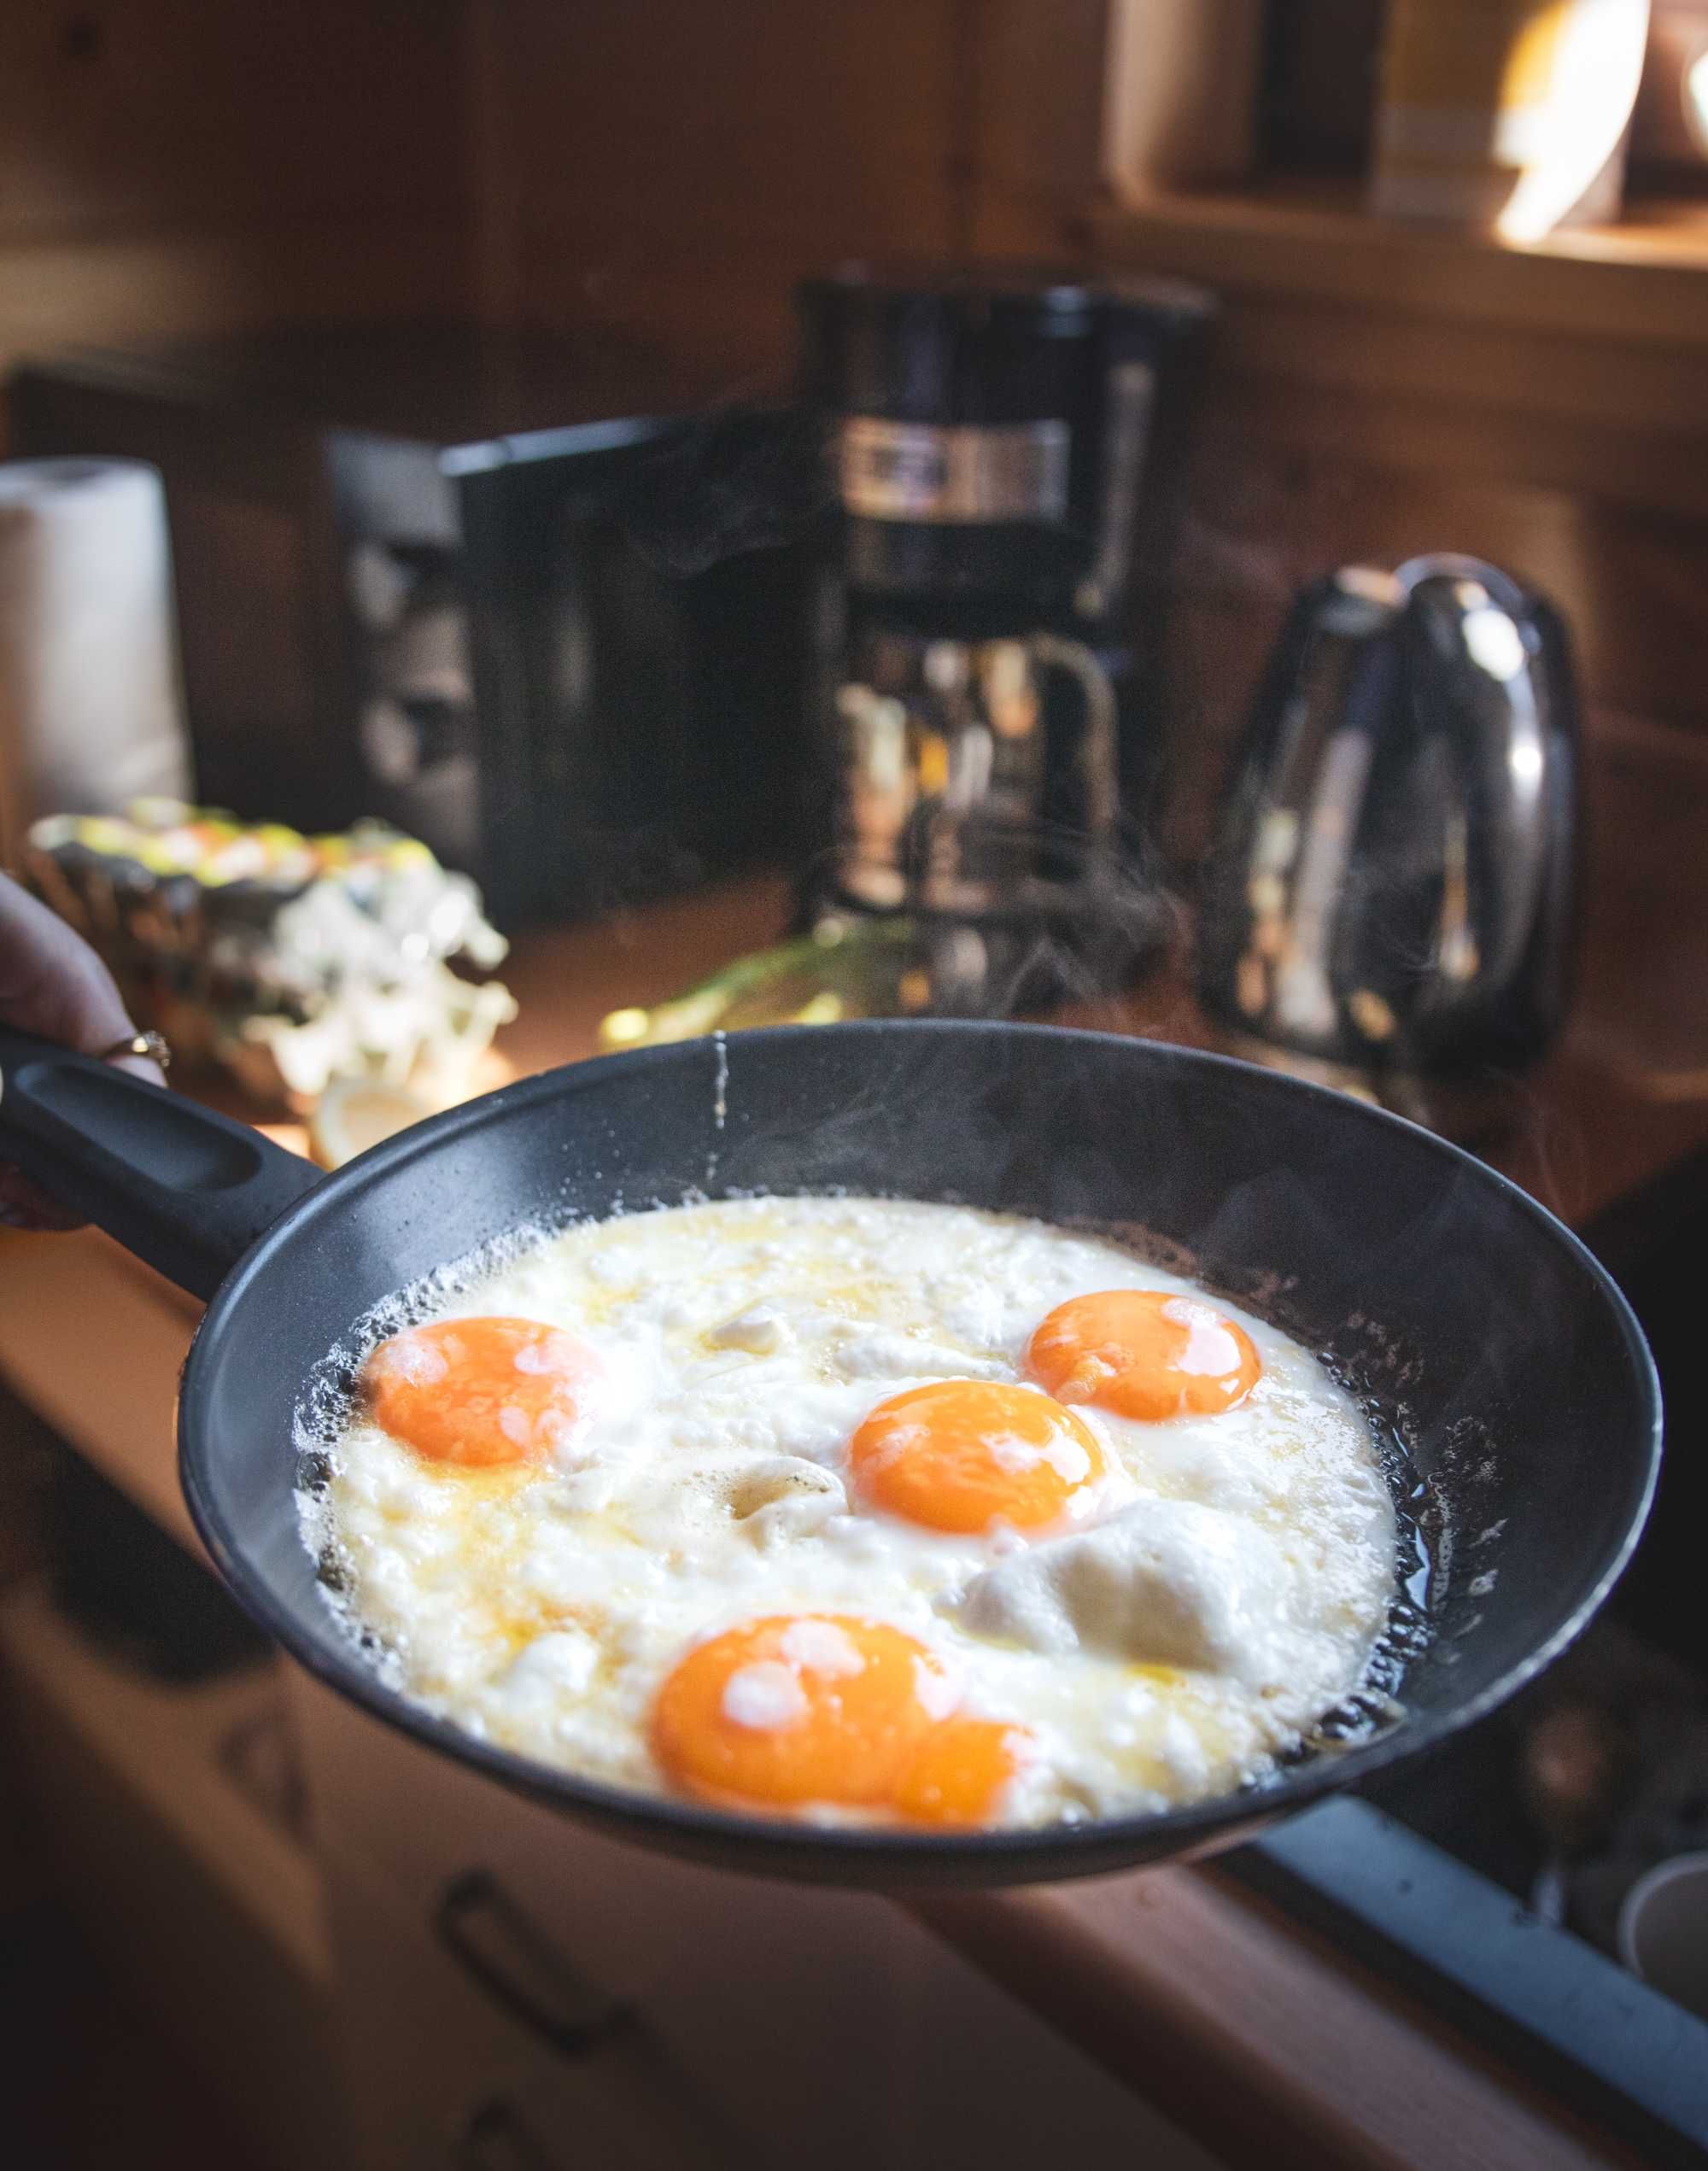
(185, 1189)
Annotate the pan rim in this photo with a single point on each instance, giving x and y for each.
(885, 1856)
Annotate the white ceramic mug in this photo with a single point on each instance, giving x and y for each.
(1663, 1930)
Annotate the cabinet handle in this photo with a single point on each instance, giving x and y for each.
(499, 1945)
(496, 2140)
(514, 1962)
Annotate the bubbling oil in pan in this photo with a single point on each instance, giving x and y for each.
(916, 1580)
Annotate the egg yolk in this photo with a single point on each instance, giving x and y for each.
(1143, 1353)
(958, 1770)
(802, 1708)
(962, 1454)
(481, 1392)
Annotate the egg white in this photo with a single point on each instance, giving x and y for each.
(743, 1342)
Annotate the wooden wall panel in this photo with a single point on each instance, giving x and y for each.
(1410, 359)
(168, 286)
(132, 115)
(170, 166)
(1262, 522)
(678, 167)
(1344, 415)
(1034, 75)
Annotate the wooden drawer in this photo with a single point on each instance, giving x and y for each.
(432, 2061)
(717, 1965)
(807, 2024)
(537, 2121)
(197, 1903)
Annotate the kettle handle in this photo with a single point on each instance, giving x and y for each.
(185, 1189)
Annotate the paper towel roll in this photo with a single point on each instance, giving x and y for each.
(91, 710)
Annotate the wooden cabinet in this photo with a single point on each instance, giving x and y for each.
(506, 1979)
(184, 1879)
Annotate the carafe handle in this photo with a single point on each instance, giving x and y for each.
(1099, 750)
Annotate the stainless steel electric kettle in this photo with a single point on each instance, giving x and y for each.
(1390, 888)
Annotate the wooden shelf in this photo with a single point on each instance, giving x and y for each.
(1644, 279)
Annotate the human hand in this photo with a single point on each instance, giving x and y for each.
(52, 984)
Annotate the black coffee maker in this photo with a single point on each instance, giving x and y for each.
(988, 601)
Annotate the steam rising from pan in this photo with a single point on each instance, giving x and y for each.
(733, 480)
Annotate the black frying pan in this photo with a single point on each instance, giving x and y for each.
(1511, 1365)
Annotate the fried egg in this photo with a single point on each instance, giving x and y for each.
(860, 1510)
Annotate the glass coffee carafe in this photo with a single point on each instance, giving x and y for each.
(945, 776)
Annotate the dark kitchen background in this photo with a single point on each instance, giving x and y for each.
(178, 171)
(204, 1947)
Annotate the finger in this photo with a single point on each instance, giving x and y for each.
(53, 983)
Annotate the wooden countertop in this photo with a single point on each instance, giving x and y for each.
(1621, 1098)
(1248, 2029)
